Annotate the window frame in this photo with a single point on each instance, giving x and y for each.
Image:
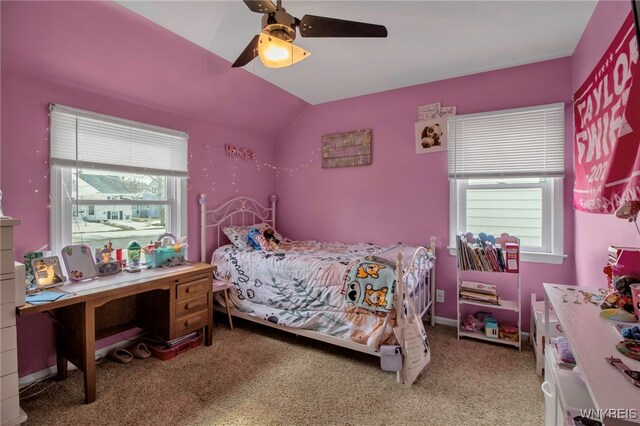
(61, 208)
(552, 216)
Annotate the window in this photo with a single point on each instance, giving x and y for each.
(114, 180)
(506, 173)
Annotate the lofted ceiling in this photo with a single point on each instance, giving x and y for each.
(428, 40)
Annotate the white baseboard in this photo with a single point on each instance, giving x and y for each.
(53, 370)
(449, 322)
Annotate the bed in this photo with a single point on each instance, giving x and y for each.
(300, 286)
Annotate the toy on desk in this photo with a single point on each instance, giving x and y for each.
(618, 315)
(47, 272)
(622, 298)
(631, 333)
(171, 252)
(133, 254)
(79, 262)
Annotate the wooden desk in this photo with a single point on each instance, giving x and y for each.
(592, 338)
(167, 302)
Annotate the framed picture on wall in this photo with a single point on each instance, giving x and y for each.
(431, 135)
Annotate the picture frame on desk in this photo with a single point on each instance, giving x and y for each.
(47, 272)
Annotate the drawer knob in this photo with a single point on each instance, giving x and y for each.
(186, 306)
(190, 321)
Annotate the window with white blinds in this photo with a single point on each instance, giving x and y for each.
(89, 140)
(522, 142)
(114, 180)
(506, 169)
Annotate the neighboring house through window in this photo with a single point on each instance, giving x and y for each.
(506, 172)
(114, 180)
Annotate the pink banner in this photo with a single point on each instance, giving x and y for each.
(607, 129)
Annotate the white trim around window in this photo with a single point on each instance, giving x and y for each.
(551, 249)
(61, 210)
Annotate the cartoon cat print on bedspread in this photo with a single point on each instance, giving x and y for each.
(375, 298)
(369, 270)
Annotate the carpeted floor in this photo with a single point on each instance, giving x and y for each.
(259, 376)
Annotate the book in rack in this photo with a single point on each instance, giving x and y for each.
(496, 257)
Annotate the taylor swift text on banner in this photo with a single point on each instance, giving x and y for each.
(607, 129)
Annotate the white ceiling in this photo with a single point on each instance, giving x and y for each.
(428, 40)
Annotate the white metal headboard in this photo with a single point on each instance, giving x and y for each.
(239, 211)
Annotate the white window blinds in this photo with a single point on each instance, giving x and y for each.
(521, 142)
(89, 140)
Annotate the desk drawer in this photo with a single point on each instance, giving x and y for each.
(195, 277)
(184, 307)
(192, 321)
(192, 289)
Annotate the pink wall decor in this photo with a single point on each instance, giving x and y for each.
(242, 153)
(606, 110)
(594, 233)
(403, 196)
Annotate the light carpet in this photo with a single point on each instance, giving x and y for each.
(255, 375)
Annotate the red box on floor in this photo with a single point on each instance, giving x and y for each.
(168, 353)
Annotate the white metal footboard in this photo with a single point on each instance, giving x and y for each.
(422, 270)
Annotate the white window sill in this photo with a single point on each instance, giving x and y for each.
(531, 257)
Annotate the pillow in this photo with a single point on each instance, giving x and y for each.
(238, 235)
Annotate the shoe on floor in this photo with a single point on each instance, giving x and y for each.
(120, 355)
(141, 351)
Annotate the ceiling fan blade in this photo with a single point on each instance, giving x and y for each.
(248, 54)
(261, 6)
(318, 26)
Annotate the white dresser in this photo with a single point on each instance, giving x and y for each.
(597, 388)
(12, 294)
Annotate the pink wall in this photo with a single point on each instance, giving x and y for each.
(403, 196)
(102, 57)
(594, 232)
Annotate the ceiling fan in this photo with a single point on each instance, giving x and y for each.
(274, 45)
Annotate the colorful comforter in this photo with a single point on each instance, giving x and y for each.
(300, 285)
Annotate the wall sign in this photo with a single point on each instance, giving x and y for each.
(346, 149)
(607, 129)
(242, 153)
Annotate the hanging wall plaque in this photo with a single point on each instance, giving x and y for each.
(346, 149)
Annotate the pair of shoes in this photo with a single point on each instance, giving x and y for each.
(124, 356)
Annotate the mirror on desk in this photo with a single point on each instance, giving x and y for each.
(79, 262)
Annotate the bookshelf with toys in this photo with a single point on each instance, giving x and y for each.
(489, 288)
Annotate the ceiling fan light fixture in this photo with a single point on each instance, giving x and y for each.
(277, 53)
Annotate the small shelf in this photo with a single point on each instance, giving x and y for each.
(488, 253)
(515, 274)
(508, 305)
(481, 336)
